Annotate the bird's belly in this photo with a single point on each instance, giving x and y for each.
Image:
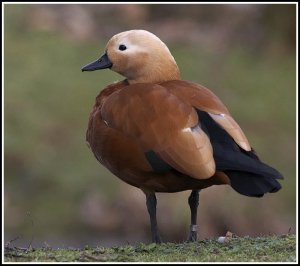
(120, 154)
(126, 159)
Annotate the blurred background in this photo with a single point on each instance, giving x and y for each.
(57, 194)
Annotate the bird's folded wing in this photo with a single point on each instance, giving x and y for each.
(163, 123)
(205, 100)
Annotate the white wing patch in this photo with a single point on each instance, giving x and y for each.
(187, 129)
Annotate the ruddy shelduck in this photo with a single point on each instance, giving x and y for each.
(163, 134)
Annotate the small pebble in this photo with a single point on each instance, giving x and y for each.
(222, 239)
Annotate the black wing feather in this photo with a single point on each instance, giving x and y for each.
(248, 175)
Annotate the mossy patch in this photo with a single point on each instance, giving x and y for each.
(237, 249)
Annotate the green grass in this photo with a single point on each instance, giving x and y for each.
(260, 249)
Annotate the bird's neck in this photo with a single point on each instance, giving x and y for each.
(156, 74)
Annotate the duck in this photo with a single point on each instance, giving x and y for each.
(162, 134)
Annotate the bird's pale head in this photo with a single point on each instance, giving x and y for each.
(138, 55)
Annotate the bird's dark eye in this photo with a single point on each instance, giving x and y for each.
(122, 47)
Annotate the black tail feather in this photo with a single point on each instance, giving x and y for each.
(248, 175)
(252, 185)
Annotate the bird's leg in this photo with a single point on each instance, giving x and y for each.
(151, 206)
(193, 202)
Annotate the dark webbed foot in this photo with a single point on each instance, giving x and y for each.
(156, 239)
